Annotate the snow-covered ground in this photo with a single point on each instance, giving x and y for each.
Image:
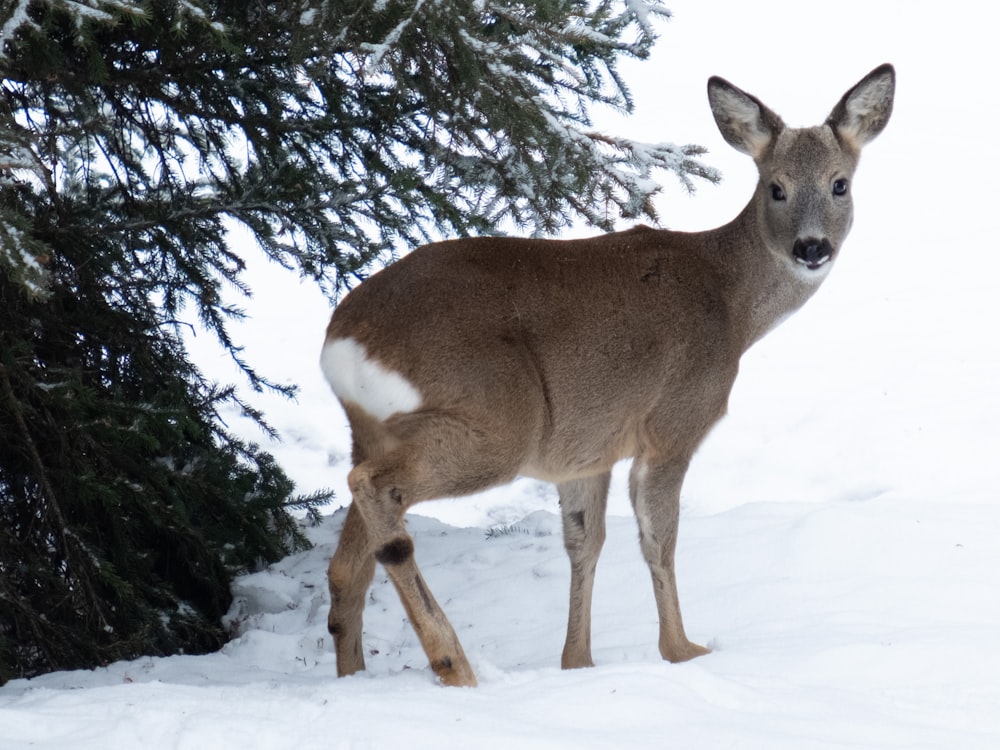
(856, 623)
(839, 541)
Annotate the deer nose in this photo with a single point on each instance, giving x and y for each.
(812, 252)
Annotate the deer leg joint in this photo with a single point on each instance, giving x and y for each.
(396, 552)
(444, 663)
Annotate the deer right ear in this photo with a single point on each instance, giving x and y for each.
(745, 123)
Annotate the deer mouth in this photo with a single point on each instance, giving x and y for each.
(813, 265)
(812, 253)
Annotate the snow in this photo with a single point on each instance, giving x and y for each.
(838, 547)
(834, 624)
(378, 51)
(18, 16)
(14, 256)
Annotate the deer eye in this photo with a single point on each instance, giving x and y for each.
(777, 193)
(840, 187)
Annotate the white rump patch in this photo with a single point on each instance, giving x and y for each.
(360, 380)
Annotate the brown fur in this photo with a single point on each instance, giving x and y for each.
(556, 359)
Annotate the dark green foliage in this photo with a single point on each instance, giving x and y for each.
(123, 509)
(133, 135)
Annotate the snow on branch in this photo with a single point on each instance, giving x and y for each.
(645, 13)
(100, 11)
(21, 257)
(18, 17)
(380, 50)
(644, 158)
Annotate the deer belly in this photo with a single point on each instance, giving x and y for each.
(565, 456)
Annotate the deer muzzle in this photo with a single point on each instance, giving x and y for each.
(812, 252)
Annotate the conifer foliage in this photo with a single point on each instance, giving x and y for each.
(133, 136)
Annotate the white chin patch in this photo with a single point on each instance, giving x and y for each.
(816, 264)
(358, 379)
(811, 272)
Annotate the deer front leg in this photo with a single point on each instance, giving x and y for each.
(655, 489)
(583, 503)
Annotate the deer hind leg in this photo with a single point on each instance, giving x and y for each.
(435, 456)
(655, 492)
(583, 503)
(351, 570)
(382, 496)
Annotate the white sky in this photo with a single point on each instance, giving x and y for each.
(799, 58)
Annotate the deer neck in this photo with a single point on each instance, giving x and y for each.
(764, 287)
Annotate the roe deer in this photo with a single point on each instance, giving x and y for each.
(470, 362)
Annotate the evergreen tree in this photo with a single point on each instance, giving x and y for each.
(132, 135)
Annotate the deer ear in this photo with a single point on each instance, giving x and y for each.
(745, 123)
(864, 111)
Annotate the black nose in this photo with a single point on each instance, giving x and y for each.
(811, 252)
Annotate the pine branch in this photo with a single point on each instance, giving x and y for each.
(78, 563)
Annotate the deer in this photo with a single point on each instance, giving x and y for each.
(470, 362)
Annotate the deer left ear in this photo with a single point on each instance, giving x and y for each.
(864, 111)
